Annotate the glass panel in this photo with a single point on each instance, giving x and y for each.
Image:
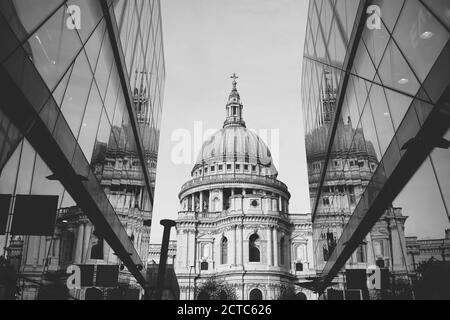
(75, 99)
(29, 13)
(441, 8)
(25, 176)
(90, 124)
(43, 186)
(382, 117)
(420, 37)
(94, 45)
(54, 48)
(440, 161)
(398, 105)
(104, 66)
(416, 199)
(8, 175)
(395, 72)
(376, 42)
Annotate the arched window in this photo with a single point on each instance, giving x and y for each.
(282, 251)
(224, 250)
(204, 266)
(256, 294)
(301, 296)
(253, 249)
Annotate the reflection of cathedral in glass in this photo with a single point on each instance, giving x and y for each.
(117, 166)
(352, 163)
(99, 112)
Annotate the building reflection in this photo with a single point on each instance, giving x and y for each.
(371, 98)
(94, 137)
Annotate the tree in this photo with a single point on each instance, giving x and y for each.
(215, 289)
(54, 291)
(288, 292)
(424, 265)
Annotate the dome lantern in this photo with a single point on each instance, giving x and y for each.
(234, 107)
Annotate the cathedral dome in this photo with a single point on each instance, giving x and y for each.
(235, 144)
(349, 142)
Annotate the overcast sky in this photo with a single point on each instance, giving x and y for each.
(205, 42)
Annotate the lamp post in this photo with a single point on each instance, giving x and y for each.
(168, 225)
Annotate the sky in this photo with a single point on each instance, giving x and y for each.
(205, 42)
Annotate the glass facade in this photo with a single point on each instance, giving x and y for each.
(376, 112)
(82, 121)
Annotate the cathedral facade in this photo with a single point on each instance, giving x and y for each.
(234, 224)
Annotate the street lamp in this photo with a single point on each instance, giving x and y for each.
(167, 224)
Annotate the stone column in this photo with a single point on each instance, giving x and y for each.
(235, 246)
(240, 251)
(238, 203)
(186, 248)
(201, 201)
(269, 247)
(210, 202)
(79, 245)
(192, 245)
(289, 254)
(139, 244)
(42, 250)
(56, 245)
(307, 260)
(280, 203)
(242, 244)
(212, 255)
(293, 256)
(275, 247)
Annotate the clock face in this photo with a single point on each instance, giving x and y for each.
(255, 203)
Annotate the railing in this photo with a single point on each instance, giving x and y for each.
(192, 215)
(218, 178)
(122, 174)
(339, 175)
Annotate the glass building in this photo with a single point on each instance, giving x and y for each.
(80, 111)
(376, 104)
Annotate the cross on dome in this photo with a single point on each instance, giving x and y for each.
(234, 77)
